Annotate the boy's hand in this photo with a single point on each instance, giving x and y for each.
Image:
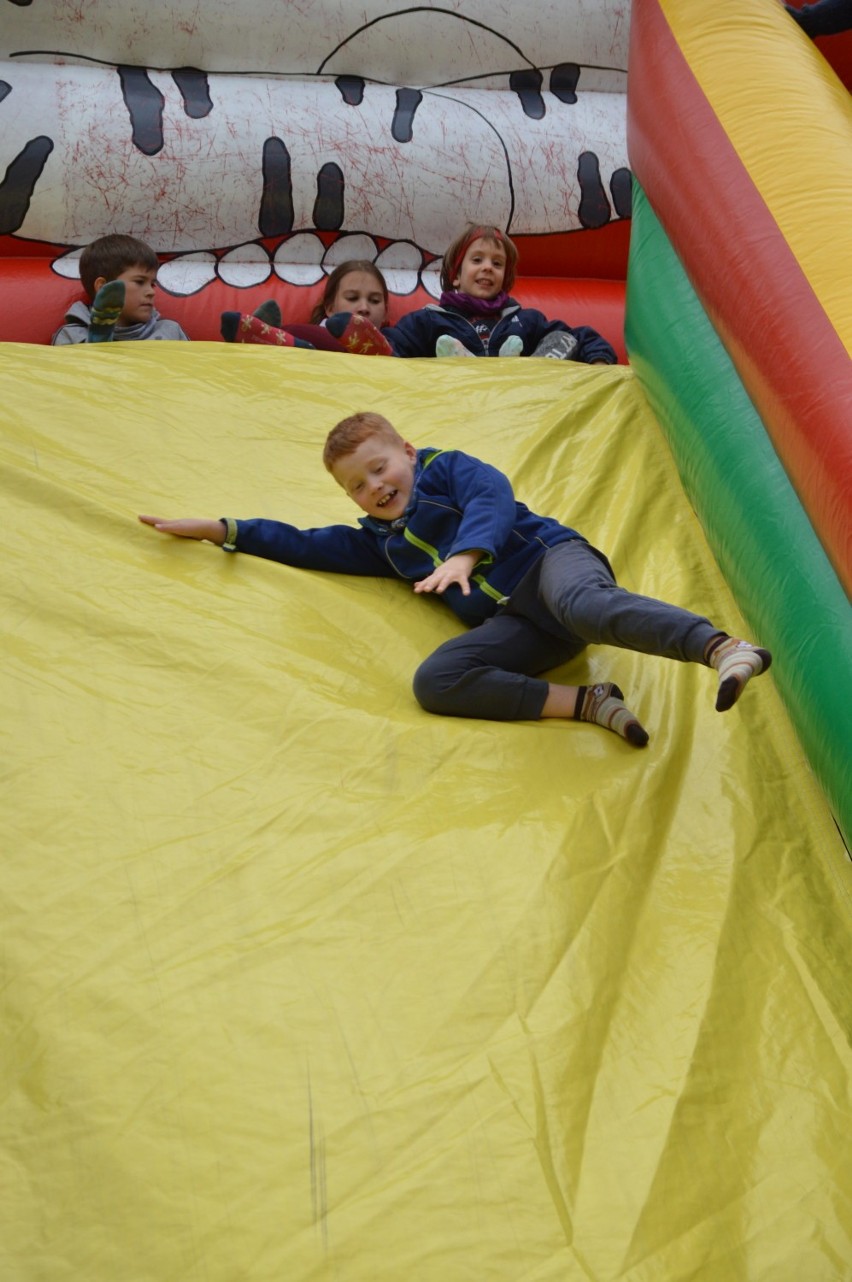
(190, 528)
(456, 569)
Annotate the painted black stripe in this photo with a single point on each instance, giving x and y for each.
(351, 89)
(194, 90)
(276, 215)
(621, 190)
(594, 209)
(407, 102)
(527, 85)
(328, 206)
(144, 104)
(563, 81)
(17, 187)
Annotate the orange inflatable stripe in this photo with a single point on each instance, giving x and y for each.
(764, 304)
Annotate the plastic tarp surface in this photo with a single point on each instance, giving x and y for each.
(301, 982)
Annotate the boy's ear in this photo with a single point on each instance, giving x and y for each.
(99, 283)
(410, 451)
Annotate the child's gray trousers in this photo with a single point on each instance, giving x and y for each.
(568, 600)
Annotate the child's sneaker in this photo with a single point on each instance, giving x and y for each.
(557, 347)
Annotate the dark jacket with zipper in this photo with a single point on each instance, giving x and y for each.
(417, 333)
(458, 504)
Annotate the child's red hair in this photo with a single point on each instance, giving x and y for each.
(353, 431)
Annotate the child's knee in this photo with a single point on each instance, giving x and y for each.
(433, 686)
(426, 685)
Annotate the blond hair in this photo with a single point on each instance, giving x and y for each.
(351, 432)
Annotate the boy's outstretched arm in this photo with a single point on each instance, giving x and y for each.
(189, 528)
(337, 549)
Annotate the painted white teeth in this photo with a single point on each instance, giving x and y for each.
(303, 260)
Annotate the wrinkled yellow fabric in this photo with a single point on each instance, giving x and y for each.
(301, 982)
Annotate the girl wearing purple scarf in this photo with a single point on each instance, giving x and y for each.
(476, 316)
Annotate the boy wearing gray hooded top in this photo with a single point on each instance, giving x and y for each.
(119, 275)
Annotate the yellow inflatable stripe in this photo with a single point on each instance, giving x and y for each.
(785, 114)
(303, 983)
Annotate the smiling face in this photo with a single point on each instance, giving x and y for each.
(361, 293)
(378, 475)
(482, 270)
(139, 285)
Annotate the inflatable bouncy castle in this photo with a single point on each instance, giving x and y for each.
(265, 159)
(300, 981)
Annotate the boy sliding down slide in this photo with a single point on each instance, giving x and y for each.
(536, 592)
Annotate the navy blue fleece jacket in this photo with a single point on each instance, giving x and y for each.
(417, 333)
(457, 504)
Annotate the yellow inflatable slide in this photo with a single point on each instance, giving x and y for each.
(300, 982)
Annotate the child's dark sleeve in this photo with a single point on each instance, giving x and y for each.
(414, 334)
(592, 346)
(338, 549)
(69, 333)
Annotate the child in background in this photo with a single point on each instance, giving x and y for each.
(119, 275)
(477, 317)
(824, 18)
(450, 524)
(355, 287)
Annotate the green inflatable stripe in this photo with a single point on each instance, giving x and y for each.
(760, 535)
